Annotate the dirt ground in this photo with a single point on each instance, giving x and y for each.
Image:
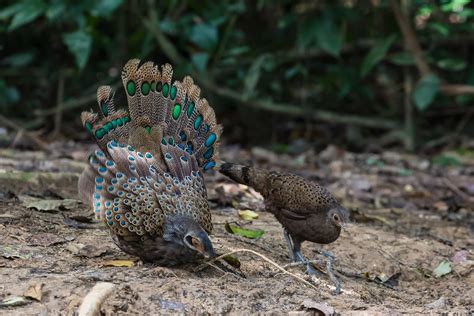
(408, 213)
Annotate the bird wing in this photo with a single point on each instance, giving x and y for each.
(296, 196)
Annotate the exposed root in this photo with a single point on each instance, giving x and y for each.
(91, 304)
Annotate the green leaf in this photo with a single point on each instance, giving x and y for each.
(253, 76)
(324, 32)
(79, 44)
(402, 59)
(104, 7)
(204, 36)
(452, 64)
(200, 60)
(23, 13)
(329, 37)
(376, 54)
(18, 59)
(443, 268)
(446, 161)
(248, 233)
(425, 91)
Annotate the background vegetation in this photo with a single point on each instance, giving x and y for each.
(395, 72)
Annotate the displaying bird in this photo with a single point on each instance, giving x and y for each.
(306, 210)
(146, 183)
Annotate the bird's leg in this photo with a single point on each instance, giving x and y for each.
(331, 275)
(290, 245)
(294, 246)
(297, 251)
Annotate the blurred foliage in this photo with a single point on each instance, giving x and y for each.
(346, 57)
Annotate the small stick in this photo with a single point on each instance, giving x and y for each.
(262, 257)
(91, 304)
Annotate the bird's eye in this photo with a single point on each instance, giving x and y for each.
(336, 218)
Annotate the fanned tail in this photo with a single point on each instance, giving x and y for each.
(162, 114)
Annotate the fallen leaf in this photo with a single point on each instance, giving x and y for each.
(322, 308)
(74, 248)
(48, 205)
(248, 233)
(91, 251)
(233, 261)
(118, 263)
(441, 206)
(172, 305)
(248, 215)
(14, 301)
(443, 268)
(45, 240)
(14, 251)
(438, 304)
(34, 291)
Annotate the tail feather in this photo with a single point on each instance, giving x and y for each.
(161, 111)
(253, 177)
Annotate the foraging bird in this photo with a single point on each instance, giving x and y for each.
(306, 210)
(146, 183)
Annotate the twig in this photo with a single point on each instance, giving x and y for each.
(38, 142)
(411, 43)
(456, 89)
(153, 25)
(456, 190)
(295, 110)
(74, 102)
(301, 263)
(262, 257)
(91, 304)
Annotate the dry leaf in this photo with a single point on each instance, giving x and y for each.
(119, 263)
(321, 308)
(34, 291)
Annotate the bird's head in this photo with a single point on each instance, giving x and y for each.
(338, 216)
(186, 231)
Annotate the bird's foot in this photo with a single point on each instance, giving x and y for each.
(330, 271)
(309, 266)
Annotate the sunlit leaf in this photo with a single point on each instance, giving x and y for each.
(79, 44)
(376, 54)
(443, 268)
(425, 91)
(35, 291)
(119, 263)
(248, 233)
(248, 215)
(14, 301)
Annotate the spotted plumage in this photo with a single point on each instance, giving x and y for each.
(306, 210)
(145, 182)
